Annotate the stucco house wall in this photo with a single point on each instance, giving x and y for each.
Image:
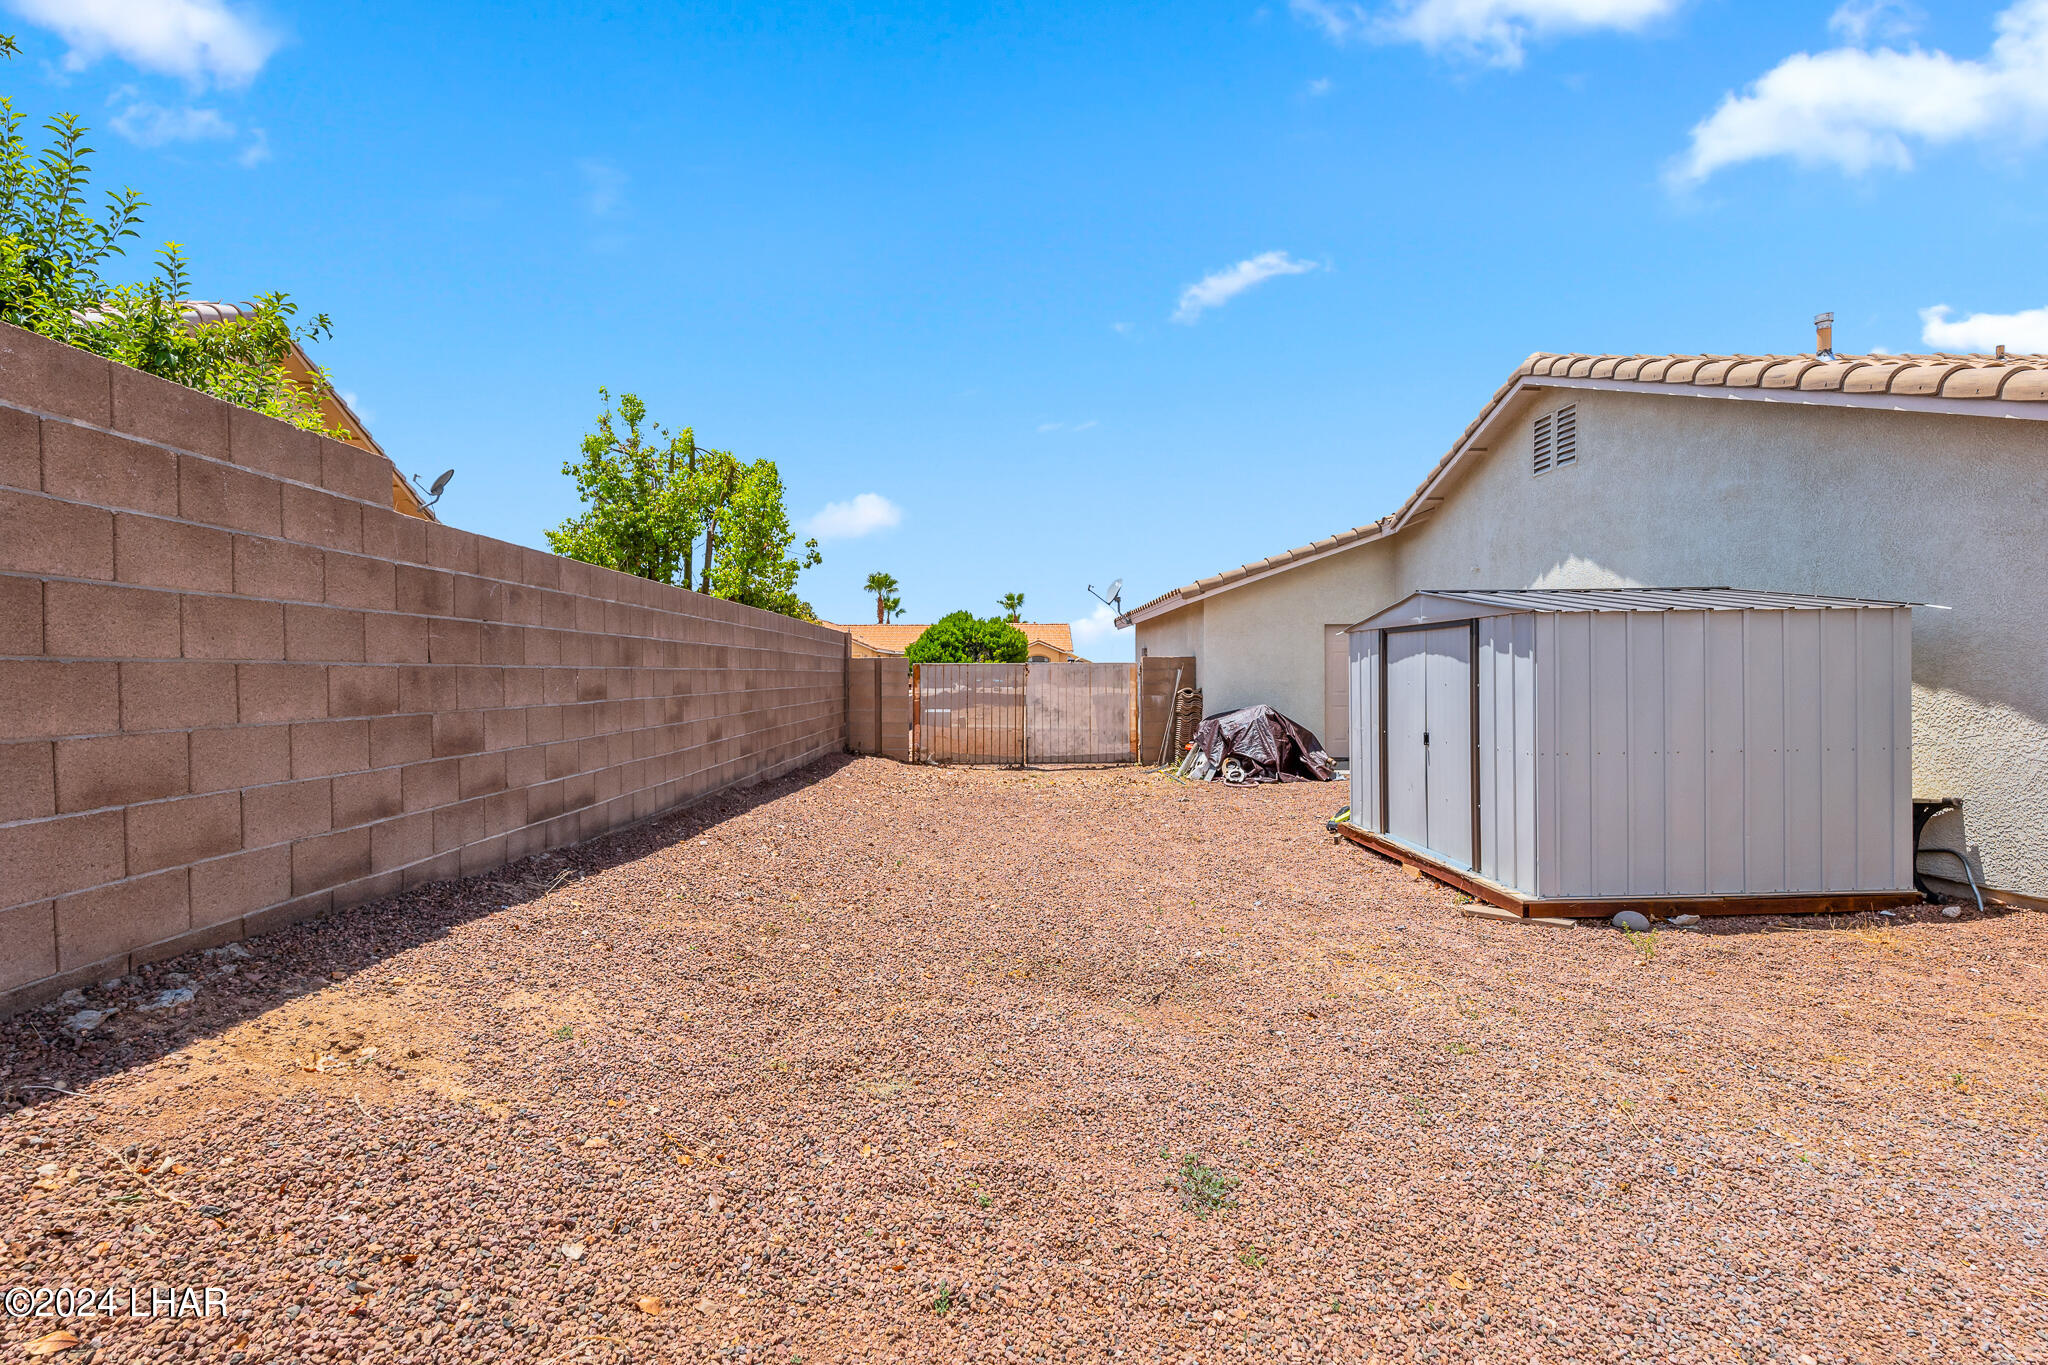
(1684, 491)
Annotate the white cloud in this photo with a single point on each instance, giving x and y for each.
(1221, 286)
(863, 514)
(1318, 87)
(1859, 21)
(152, 125)
(1096, 635)
(604, 187)
(1495, 31)
(1856, 107)
(195, 39)
(2024, 332)
(148, 124)
(1046, 428)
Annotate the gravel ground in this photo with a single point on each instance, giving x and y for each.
(905, 1064)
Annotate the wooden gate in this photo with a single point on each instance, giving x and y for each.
(1079, 713)
(1012, 714)
(971, 713)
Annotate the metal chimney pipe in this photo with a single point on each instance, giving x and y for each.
(1824, 335)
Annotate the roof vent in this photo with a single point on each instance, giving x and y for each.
(1556, 440)
(1567, 435)
(1824, 335)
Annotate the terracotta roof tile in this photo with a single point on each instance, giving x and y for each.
(897, 636)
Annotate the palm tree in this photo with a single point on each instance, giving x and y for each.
(1013, 605)
(882, 585)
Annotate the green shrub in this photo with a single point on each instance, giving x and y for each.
(964, 638)
(54, 248)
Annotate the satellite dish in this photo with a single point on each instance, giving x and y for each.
(1113, 599)
(434, 493)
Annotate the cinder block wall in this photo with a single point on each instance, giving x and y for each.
(237, 689)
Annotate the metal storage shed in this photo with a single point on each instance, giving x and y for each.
(1582, 752)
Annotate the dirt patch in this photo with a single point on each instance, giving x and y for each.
(900, 1063)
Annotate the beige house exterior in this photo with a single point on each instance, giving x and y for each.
(1911, 478)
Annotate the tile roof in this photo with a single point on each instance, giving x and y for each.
(896, 637)
(1951, 381)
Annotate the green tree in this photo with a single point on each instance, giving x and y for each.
(757, 567)
(883, 586)
(652, 499)
(643, 496)
(1013, 605)
(964, 638)
(55, 246)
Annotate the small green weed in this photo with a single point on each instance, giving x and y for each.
(1644, 943)
(943, 1303)
(1460, 1049)
(983, 1200)
(1251, 1258)
(1203, 1189)
(565, 1031)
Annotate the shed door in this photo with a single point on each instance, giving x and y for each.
(1448, 713)
(1429, 740)
(1407, 796)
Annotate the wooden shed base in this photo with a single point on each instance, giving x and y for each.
(1605, 907)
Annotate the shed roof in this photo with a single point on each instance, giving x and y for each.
(1954, 385)
(1497, 601)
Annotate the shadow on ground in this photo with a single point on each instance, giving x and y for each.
(238, 982)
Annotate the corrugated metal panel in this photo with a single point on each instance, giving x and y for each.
(1407, 761)
(1365, 730)
(1670, 752)
(1684, 673)
(1646, 747)
(1507, 750)
(1718, 753)
(1448, 718)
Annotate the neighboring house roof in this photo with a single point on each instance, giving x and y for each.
(1958, 385)
(897, 637)
(333, 407)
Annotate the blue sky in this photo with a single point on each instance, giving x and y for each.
(1075, 292)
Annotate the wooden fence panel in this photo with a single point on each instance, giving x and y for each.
(1079, 713)
(971, 713)
(1156, 674)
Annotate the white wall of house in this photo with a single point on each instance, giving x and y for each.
(1685, 491)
